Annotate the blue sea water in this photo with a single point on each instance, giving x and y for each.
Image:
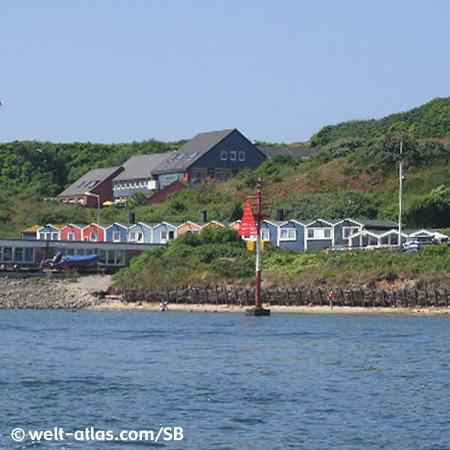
(230, 381)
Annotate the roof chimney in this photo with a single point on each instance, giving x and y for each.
(280, 215)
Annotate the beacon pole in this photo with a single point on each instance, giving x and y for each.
(258, 245)
(258, 310)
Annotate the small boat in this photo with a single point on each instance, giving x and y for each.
(68, 262)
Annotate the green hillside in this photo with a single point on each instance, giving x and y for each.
(354, 175)
(431, 120)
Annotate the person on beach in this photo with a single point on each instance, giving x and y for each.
(163, 306)
(331, 296)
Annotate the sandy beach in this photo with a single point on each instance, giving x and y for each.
(115, 305)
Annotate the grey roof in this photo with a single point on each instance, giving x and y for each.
(88, 181)
(187, 154)
(383, 224)
(270, 152)
(141, 166)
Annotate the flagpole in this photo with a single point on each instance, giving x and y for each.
(400, 192)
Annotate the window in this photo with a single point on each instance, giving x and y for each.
(133, 236)
(18, 255)
(193, 155)
(55, 236)
(71, 236)
(319, 233)
(171, 234)
(232, 155)
(29, 255)
(241, 156)
(102, 256)
(110, 257)
(349, 231)
(223, 155)
(119, 257)
(94, 236)
(7, 254)
(265, 235)
(116, 236)
(163, 236)
(288, 234)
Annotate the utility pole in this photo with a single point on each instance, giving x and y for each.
(400, 194)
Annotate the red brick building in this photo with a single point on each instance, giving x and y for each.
(92, 189)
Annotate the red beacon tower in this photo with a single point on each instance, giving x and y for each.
(251, 226)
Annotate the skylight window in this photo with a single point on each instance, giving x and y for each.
(193, 155)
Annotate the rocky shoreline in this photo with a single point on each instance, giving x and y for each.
(51, 293)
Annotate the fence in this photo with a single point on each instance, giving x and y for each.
(219, 295)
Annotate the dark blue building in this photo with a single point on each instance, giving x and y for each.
(207, 156)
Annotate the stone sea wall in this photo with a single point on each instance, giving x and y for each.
(241, 296)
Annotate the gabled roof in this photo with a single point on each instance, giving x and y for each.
(270, 152)
(32, 229)
(276, 223)
(285, 222)
(192, 151)
(89, 181)
(81, 226)
(190, 222)
(97, 225)
(55, 226)
(117, 224)
(141, 166)
(143, 224)
(328, 222)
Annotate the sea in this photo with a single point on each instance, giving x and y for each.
(223, 381)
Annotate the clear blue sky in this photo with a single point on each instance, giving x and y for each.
(124, 70)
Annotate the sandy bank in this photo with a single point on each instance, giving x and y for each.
(147, 306)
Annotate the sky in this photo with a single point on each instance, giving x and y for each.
(131, 70)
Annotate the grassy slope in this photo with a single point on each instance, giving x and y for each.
(218, 256)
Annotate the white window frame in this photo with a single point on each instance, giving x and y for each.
(164, 235)
(92, 235)
(116, 236)
(319, 233)
(290, 234)
(265, 234)
(71, 236)
(133, 236)
(233, 155)
(241, 156)
(223, 155)
(351, 231)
